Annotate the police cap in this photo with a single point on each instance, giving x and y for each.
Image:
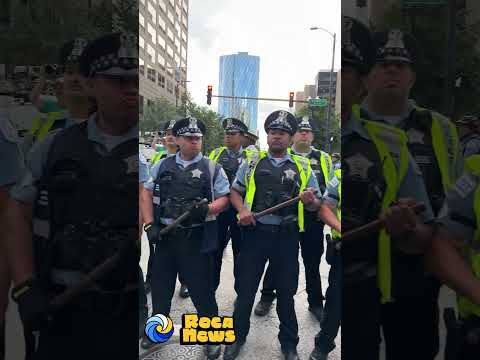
(234, 125)
(112, 55)
(282, 120)
(71, 51)
(303, 123)
(397, 46)
(189, 126)
(357, 44)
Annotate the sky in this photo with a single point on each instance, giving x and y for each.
(278, 31)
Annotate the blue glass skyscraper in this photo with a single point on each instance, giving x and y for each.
(239, 77)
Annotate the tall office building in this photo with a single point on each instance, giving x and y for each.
(163, 40)
(239, 75)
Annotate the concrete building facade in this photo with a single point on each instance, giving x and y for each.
(163, 44)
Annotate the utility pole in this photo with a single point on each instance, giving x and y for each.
(330, 97)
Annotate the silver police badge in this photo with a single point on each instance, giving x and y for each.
(290, 174)
(358, 165)
(196, 173)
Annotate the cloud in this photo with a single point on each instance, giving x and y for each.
(277, 31)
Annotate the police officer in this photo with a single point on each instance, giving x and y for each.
(330, 322)
(469, 133)
(12, 166)
(377, 170)
(72, 183)
(456, 252)
(176, 184)
(268, 179)
(229, 156)
(72, 95)
(171, 150)
(433, 142)
(312, 248)
(169, 141)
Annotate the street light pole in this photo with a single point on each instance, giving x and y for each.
(330, 87)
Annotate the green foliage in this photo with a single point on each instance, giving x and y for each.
(430, 30)
(321, 139)
(162, 110)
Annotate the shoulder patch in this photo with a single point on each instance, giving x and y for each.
(8, 131)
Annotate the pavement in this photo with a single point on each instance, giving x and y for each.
(262, 342)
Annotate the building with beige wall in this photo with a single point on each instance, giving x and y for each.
(163, 44)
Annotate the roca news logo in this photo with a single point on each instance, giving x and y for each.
(195, 329)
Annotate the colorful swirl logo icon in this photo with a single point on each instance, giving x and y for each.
(159, 328)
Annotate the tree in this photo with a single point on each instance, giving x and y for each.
(320, 128)
(430, 30)
(161, 111)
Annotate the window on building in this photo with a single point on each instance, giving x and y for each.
(162, 5)
(177, 60)
(161, 61)
(151, 74)
(172, 2)
(178, 11)
(150, 53)
(141, 20)
(184, 52)
(161, 80)
(141, 42)
(171, 17)
(152, 33)
(170, 87)
(177, 44)
(149, 102)
(185, 6)
(161, 41)
(162, 24)
(153, 12)
(140, 103)
(184, 36)
(170, 34)
(170, 51)
(177, 27)
(184, 20)
(141, 67)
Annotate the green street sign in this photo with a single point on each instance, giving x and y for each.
(322, 102)
(421, 3)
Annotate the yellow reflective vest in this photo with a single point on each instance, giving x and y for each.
(42, 125)
(387, 140)
(304, 169)
(465, 307)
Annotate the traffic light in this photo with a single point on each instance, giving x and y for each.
(290, 99)
(209, 94)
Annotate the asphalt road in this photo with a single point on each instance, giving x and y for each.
(262, 342)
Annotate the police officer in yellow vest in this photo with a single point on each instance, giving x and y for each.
(270, 178)
(469, 133)
(332, 314)
(229, 156)
(170, 144)
(433, 142)
(312, 248)
(461, 218)
(70, 91)
(377, 170)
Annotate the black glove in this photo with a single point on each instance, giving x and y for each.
(153, 232)
(199, 213)
(33, 302)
